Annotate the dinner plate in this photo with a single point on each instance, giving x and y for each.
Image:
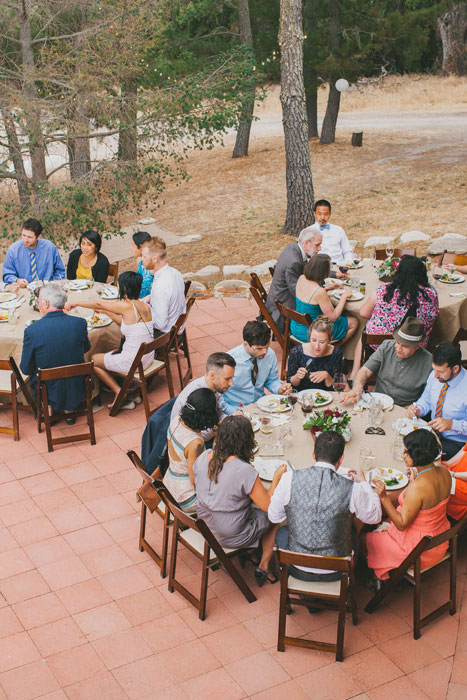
(7, 296)
(348, 283)
(332, 280)
(352, 266)
(404, 426)
(455, 279)
(110, 293)
(385, 474)
(3, 319)
(325, 394)
(102, 320)
(267, 467)
(77, 284)
(384, 399)
(356, 295)
(272, 403)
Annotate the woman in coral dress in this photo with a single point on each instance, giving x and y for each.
(421, 511)
(457, 465)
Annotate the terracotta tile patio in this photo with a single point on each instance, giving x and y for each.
(85, 616)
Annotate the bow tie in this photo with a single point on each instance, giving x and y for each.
(321, 228)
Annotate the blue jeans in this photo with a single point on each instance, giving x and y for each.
(282, 541)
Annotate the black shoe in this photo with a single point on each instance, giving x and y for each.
(262, 576)
(71, 420)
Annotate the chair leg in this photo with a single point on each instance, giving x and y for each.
(283, 605)
(90, 415)
(204, 583)
(47, 423)
(416, 601)
(14, 408)
(142, 526)
(165, 543)
(186, 352)
(173, 556)
(452, 577)
(340, 636)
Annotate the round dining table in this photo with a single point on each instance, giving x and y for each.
(452, 308)
(101, 339)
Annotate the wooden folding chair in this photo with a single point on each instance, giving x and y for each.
(461, 337)
(411, 570)
(369, 339)
(112, 276)
(257, 284)
(272, 270)
(155, 505)
(329, 595)
(290, 315)
(187, 287)
(23, 386)
(453, 259)
(267, 317)
(85, 370)
(380, 253)
(180, 342)
(160, 344)
(198, 539)
(9, 389)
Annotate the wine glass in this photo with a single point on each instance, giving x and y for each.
(292, 399)
(437, 272)
(339, 382)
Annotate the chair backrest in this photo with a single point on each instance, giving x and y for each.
(162, 341)
(372, 339)
(181, 320)
(380, 253)
(140, 467)
(314, 561)
(22, 384)
(6, 366)
(454, 531)
(65, 372)
(256, 282)
(187, 286)
(272, 270)
(453, 259)
(113, 273)
(290, 315)
(269, 319)
(460, 336)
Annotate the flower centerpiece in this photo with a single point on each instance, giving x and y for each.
(329, 419)
(387, 268)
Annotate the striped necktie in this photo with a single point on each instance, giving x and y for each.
(33, 265)
(440, 402)
(254, 370)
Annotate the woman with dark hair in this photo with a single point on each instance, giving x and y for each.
(87, 262)
(139, 238)
(312, 365)
(135, 319)
(185, 444)
(421, 511)
(227, 486)
(312, 299)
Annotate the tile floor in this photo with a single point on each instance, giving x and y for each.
(84, 615)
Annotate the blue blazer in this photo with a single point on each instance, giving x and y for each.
(55, 340)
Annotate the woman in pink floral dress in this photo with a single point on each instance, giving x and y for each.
(408, 294)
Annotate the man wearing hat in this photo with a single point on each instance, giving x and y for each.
(401, 366)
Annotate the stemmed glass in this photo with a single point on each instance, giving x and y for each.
(292, 400)
(339, 382)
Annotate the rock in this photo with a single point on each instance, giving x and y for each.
(188, 275)
(149, 220)
(377, 240)
(191, 238)
(452, 242)
(412, 236)
(206, 271)
(234, 269)
(263, 268)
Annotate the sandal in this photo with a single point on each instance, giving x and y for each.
(252, 557)
(262, 576)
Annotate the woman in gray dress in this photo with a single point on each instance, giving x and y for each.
(227, 486)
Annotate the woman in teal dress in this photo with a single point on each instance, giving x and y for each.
(312, 299)
(139, 238)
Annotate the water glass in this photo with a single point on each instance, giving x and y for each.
(285, 435)
(12, 317)
(397, 448)
(265, 425)
(367, 459)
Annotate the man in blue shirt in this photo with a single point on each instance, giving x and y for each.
(445, 398)
(32, 258)
(255, 369)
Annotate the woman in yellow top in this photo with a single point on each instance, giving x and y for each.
(87, 262)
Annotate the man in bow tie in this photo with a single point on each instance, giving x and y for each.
(335, 242)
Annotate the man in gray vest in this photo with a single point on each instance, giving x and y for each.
(320, 505)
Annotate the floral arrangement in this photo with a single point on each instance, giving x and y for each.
(388, 267)
(328, 419)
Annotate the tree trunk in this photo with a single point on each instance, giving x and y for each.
(243, 134)
(452, 28)
(14, 149)
(328, 130)
(128, 133)
(78, 144)
(32, 112)
(299, 183)
(310, 76)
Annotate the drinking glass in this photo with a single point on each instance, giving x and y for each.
(265, 425)
(307, 403)
(292, 399)
(339, 382)
(285, 436)
(12, 317)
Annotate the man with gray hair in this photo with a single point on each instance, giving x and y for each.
(288, 269)
(55, 340)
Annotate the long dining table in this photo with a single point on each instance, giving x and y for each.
(452, 308)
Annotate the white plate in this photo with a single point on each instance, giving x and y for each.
(103, 320)
(324, 394)
(343, 471)
(272, 404)
(388, 473)
(332, 280)
(356, 295)
(77, 284)
(4, 320)
(267, 467)
(386, 400)
(7, 296)
(404, 426)
(110, 293)
(352, 266)
(348, 283)
(31, 321)
(456, 279)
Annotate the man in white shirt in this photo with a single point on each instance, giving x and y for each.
(167, 297)
(335, 242)
(319, 506)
